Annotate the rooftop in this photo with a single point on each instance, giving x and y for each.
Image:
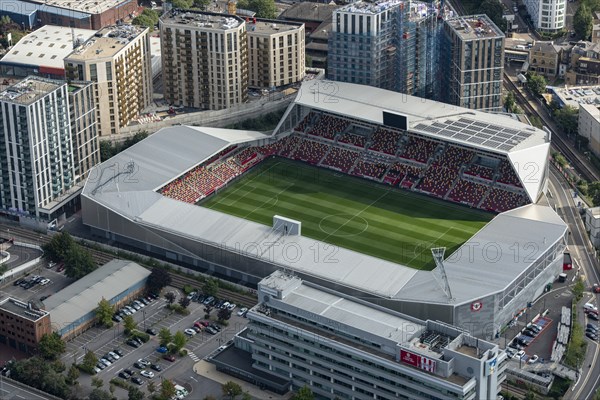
(29, 90)
(309, 11)
(270, 27)
(578, 95)
(82, 296)
(200, 19)
(592, 109)
(47, 46)
(22, 309)
(107, 42)
(367, 7)
(88, 6)
(474, 27)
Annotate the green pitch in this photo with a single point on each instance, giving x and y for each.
(350, 212)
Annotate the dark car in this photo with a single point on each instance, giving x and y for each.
(593, 327)
(156, 367)
(119, 352)
(216, 327)
(151, 331)
(139, 365)
(110, 358)
(591, 335)
(29, 285)
(137, 380)
(143, 300)
(116, 318)
(44, 297)
(129, 371)
(593, 316)
(133, 343)
(124, 375)
(169, 357)
(210, 330)
(18, 282)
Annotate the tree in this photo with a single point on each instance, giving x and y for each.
(567, 118)
(136, 394)
(105, 312)
(493, 9)
(223, 314)
(151, 387)
(182, 4)
(536, 83)
(89, 361)
(304, 393)
(170, 296)
(583, 22)
(40, 374)
(158, 279)
(184, 302)
(73, 375)
(167, 389)
(201, 4)
(179, 341)
(246, 396)
(129, 324)
(3, 269)
(99, 394)
(78, 262)
(51, 346)
(231, 389)
(529, 396)
(211, 286)
(148, 18)
(578, 289)
(112, 389)
(97, 382)
(165, 336)
(57, 248)
(262, 8)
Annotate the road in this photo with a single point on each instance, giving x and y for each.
(581, 250)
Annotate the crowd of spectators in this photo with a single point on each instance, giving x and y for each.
(353, 139)
(341, 159)
(468, 192)
(419, 149)
(385, 141)
(501, 200)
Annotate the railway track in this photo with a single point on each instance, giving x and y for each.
(180, 281)
(575, 159)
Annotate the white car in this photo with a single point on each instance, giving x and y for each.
(519, 355)
(105, 362)
(131, 309)
(44, 281)
(147, 374)
(114, 355)
(139, 303)
(144, 362)
(231, 307)
(126, 311)
(189, 332)
(97, 370)
(242, 311)
(533, 359)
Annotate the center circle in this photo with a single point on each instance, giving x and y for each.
(332, 225)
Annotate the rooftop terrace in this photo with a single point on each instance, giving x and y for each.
(22, 309)
(28, 90)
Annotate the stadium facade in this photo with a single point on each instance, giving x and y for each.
(143, 197)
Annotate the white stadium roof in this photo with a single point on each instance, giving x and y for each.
(127, 184)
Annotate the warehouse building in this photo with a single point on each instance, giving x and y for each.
(72, 310)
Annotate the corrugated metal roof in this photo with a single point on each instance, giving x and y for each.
(81, 297)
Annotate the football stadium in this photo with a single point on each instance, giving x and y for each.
(422, 207)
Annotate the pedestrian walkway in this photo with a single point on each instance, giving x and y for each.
(193, 356)
(208, 370)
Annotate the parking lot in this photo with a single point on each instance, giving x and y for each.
(58, 281)
(154, 315)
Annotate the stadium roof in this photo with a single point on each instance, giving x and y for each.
(527, 147)
(46, 47)
(80, 298)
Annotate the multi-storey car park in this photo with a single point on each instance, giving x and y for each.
(376, 179)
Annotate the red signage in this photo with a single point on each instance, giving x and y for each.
(418, 361)
(476, 306)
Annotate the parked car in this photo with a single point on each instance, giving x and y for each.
(533, 359)
(105, 362)
(169, 357)
(144, 362)
(51, 264)
(216, 327)
(124, 375)
(231, 306)
(144, 301)
(116, 318)
(529, 333)
(241, 311)
(191, 295)
(18, 282)
(133, 343)
(189, 332)
(151, 331)
(593, 327)
(109, 358)
(126, 311)
(139, 365)
(44, 297)
(197, 329)
(100, 365)
(208, 300)
(162, 349)
(114, 355)
(119, 352)
(519, 355)
(535, 328)
(156, 367)
(136, 307)
(129, 371)
(139, 303)
(137, 380)
(592, 335)
(211, 330)
(147, 374)
(44, 281)
(97, 370)
(593, 317)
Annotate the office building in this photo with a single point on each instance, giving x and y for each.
(36, 145)
(547, 15)
(205, 59)
(117, 59)
(73, 309)
(42, 52)
(472, 62)
(22, 325)
(83, 14)
(275, 53)
(342, 347)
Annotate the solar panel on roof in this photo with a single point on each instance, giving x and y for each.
(461, 136)
(480, 124)
(477, 140)
(505, 147)
(511, 131)
(490, 131)
(503, 135)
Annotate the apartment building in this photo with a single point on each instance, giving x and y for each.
(82, 113)
(472, 62)
(342, 347)
(22, 325)
(117, 59)
(275, 52)
(589, 125)
(583, 64)
(544, 58)
(547, 15)
(204, 59)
